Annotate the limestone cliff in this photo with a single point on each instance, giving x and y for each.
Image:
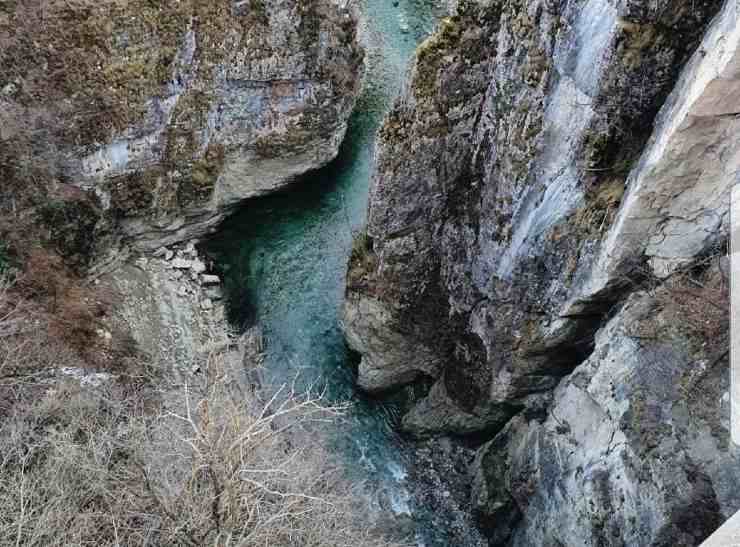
(152, 119)
(556, 170)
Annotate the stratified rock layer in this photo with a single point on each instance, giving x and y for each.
(554, 170)
(166, 114)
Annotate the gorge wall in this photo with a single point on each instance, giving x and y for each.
(544, 248)
(148, 121)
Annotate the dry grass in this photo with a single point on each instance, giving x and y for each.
(65, 311)
(362, 263)
(692, 304)
(192, 464)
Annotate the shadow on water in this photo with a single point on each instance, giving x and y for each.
(285, 253)
(284, 256)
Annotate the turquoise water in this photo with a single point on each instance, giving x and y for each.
(285, 257)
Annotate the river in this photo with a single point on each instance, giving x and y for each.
(284, 258)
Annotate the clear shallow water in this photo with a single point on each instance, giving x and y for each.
(285, 257)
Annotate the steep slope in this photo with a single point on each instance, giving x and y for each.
(152, 119)
(527, 194)
(496, 188)
(634, 449)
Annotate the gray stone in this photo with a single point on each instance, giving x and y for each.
(677, 203)
(382, 367)
(197, 266)
(638, 419)
(181, 264)
(208, 279)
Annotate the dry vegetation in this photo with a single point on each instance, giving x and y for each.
(362, 263)
(146, 463)
(692, 304)
(98, 446)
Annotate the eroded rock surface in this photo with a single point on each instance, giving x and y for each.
(498, 176)
(633, 451)
(549, 170)
(157, 117)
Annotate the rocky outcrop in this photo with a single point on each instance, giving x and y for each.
(500, 179)
(677, 200)
(168, 305)
(554, 170)
(499, 175)
(634, 450)
(157, 118)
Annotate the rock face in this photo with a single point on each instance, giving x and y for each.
(160, 116)
(633, 451)
(554, 170)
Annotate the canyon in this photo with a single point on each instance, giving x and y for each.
(536, 301)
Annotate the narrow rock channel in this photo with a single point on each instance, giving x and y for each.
(284, 259)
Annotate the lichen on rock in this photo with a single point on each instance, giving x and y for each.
(162, 112)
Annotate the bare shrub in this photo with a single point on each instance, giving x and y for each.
(193, 464)
(27, 351)
(65, 311)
